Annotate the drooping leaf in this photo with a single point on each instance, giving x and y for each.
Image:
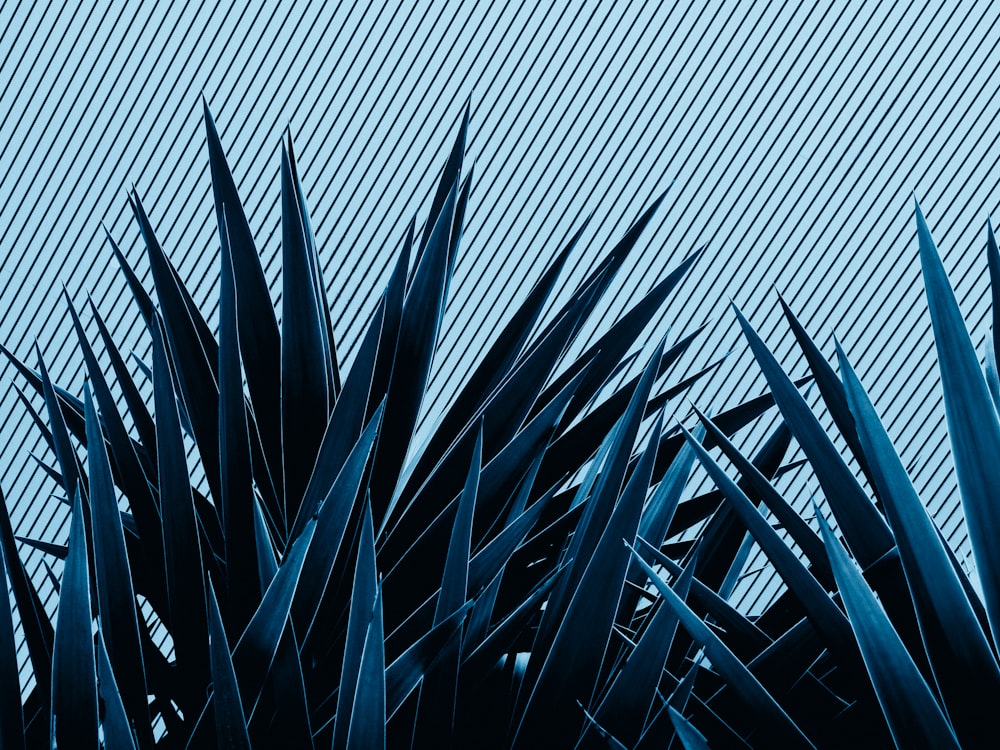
(955, 642)
(914, 716)
(973, 424)
(73, 720)
(115, 595)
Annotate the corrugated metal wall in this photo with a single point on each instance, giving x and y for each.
(793, 136)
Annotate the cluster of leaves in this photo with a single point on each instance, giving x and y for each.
(336, 585)
(895, 645)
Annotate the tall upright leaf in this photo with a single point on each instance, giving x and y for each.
(419, 325)
(73, 720)
(260, 341)
(181, 542)
(115, 595)
(236, 473)
(951, 632)
(973, 425)
(436, 711)
(11, 717)
(363, 595)
(305, 398)
(368, 714)
(230, 721)
(194, 369)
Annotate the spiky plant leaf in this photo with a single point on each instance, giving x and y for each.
(952, 635)
(774, 722)
(363, 594)
(256, 648)
(865, 529)
(332, 521)
(689, 736)
(572, 663)
(227, 706)
(626, 707)
(195, 368)
(821, 610)
(305, 396)
(73, 720)
(115, 724)
(419, 326)
(115, 596)
(436, 708)
(38, 631)
(181, 541)
(11, 715)
(368, 713)
(914, 716)
(260, 341)
(973, 425)
(238, 503)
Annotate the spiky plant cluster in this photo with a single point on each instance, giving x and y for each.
(895, 646)
(528, 576)
(336, 585)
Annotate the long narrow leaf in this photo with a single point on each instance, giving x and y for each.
(74, 669)
(973, 425)
(915, 719)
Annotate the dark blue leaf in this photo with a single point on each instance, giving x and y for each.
(865, 530)
(115, 596)
(192, 364)
(11, 718)
(973, 425)
(955, 642)
(363, 594)
(260, 342)
(914, 717)
(74, 670)
(775, 725)
(368, 714)
(236, 473)
(181, 545)
(230, 721)
(305, 398)
(115, 724)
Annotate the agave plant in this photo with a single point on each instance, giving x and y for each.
(324, 580)
(895, 645)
